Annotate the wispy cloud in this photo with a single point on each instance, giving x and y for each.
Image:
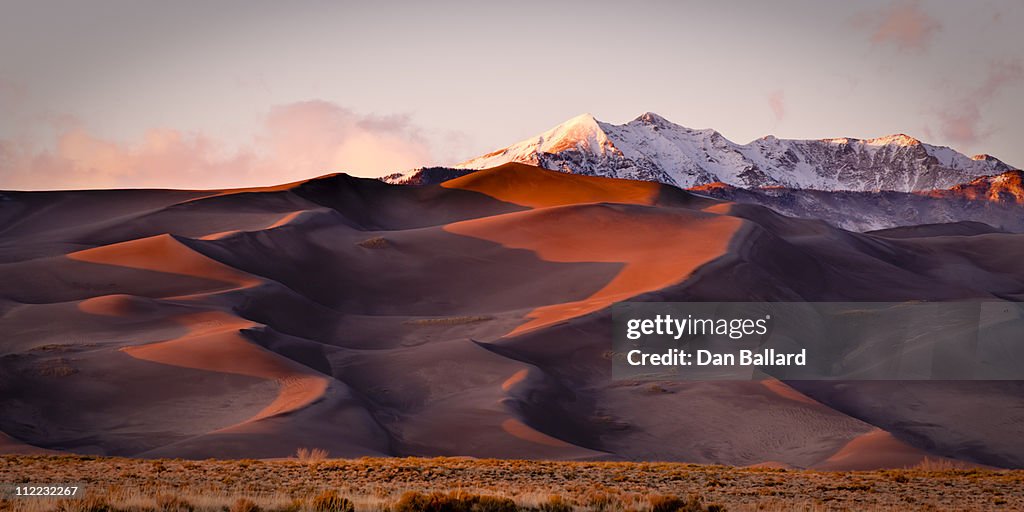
(962, 121)
(904, 24)
(296, 141)
(777, 102)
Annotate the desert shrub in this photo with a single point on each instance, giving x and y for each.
(171, 503)
(244, 505)
(555, 504)
(418, 502)
(331, 501)
(599, 501)
(452, 502)
(493, 504)
(311, 455)
(930, 464)
(660, 503)
(377, 242)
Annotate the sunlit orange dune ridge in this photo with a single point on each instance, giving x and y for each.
(785, 391)
(875, 449)
(282, 220)
(581, 219)
(520, 430)
(163, 253)
(533, 187)
(215, 344)
(213, 341)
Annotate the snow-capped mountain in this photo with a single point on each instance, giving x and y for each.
(654, 149)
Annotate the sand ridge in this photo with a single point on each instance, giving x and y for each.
(163, 253)
(875, 449)
(655, 248)
(213, 343)
(283, 220)
(537, 188)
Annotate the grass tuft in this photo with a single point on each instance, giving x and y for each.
(453, 502)
(311, 455)
(172, 503)
(555, 504)
(244, 505)
(331, 501)
(668, 503)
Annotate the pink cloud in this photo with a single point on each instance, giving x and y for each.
(961, 125)
(777, 102)
(962, 122)
(297, 141)
(903, 24)
(322, 135)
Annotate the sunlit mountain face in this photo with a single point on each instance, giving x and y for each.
(654, 149)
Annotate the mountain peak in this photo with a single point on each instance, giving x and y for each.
(584, 119)
(582, 131)
(897, 139)
(652, 119)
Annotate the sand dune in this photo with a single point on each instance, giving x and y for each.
(522, 185)
(469, 318)
(875, 449)
(13, 446)
(163, 254)
(655, 248)
(782, 389)
(213, 343)
(271, 224)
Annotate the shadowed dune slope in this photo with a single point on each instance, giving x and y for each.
(467, 318)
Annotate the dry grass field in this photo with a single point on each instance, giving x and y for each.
(318, 484)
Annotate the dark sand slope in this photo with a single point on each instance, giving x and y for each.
(469, 318)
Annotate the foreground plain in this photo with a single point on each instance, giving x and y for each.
(380, 483)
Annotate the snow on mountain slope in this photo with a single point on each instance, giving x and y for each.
(654, 149)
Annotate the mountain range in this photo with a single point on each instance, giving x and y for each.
(854, 184)
(651, 148)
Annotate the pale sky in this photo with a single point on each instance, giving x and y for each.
(131, 93)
